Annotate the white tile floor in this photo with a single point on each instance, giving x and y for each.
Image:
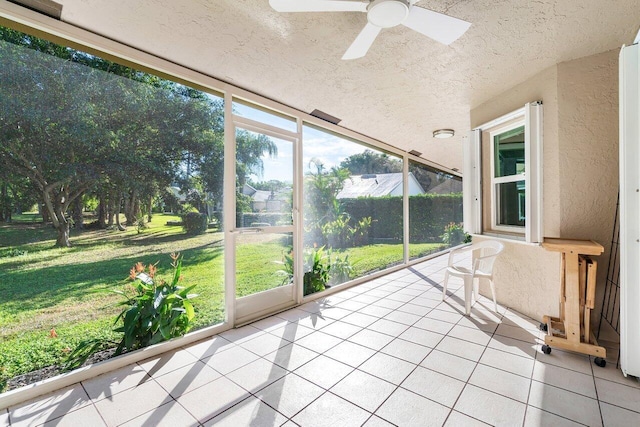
(388, 352)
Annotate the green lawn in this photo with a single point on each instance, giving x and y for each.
(69, 290)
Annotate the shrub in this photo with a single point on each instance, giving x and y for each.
(340, 234)
(360, 233)
(454, 235)
(195, 223)
(336, 234)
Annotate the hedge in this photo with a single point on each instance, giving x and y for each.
(429, 214)
(195, 223)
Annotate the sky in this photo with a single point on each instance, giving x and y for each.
(330, 149)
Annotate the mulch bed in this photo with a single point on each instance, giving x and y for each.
(52, 371)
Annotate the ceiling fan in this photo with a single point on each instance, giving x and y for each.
(382, 14)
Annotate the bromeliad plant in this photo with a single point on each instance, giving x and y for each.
(154, 311)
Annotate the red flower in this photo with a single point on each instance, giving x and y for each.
(152, 270)
(139, 267)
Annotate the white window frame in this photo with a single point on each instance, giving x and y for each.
(15, 16)
(532, 117)
(495, 200)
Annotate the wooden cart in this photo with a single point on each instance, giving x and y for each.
(572, 330)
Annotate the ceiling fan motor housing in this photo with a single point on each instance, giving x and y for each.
(387, 13)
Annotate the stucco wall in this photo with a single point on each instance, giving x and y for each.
(588, 136)
(580, 170)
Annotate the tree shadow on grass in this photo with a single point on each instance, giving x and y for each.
(12, 235)
(25, 290)
(97, 238)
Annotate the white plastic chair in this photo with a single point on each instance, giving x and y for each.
(488, 251)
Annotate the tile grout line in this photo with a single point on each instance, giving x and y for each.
(92, 404)
(535, 358)
(466, 383)
(376, 352)
(562, 389)
(398, 386)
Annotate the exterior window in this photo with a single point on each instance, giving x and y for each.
(508, 180)
(502, 186)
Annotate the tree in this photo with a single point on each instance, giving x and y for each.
(72, 123)
(321, 188)
(75, 124)
(48, 134)
(370, 162)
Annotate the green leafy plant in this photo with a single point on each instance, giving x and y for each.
(287, 270)
(154, 311)
(360, 233)
(340, 234)
(317, 266)
(454, 235)
(320, 270)
(12, 252)
(341, 270)
(194, 223)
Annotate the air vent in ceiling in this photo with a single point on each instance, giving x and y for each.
(415, 153)
(46, 7)
(326, 117)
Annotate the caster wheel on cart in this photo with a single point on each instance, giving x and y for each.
(543, 327)
(546, 349)
(600, 362)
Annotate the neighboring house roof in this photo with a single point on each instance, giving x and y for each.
(447, 187)
(248, 190)
(180, 197)
(377, 185)
(261, 195)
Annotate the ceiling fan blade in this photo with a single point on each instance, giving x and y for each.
(442, 28)
(319, 5)
(363, 42)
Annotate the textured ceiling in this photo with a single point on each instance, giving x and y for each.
(407, 85)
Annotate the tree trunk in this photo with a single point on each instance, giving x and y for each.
(45, 213)
(150, 208)
(129, 213)
(110, 210)
(78, 218)
(62, 241)
(131, 207)
(120, 227)
(4, 203)
(102, 212)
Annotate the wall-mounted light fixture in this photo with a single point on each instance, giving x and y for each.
(443, 133)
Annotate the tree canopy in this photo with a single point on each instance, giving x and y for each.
(369, 162)
(72, 123)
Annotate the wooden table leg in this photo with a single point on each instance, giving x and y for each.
(572, 289)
